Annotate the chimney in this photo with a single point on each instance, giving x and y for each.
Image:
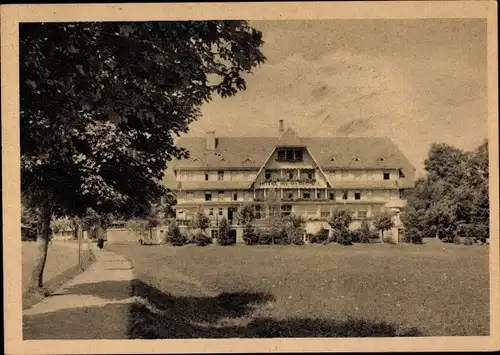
(211, 140)
(281, 128)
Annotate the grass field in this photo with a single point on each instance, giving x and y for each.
(434, 289)
(61, 265)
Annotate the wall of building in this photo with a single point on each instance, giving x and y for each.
(228, 175)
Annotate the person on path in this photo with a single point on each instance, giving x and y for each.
(100, 238)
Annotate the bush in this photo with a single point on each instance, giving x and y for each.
(250, 236)
(359, 236)
(265, 237)
(201, 239)
(224, 235)
(344, 237)
(320, 236)
(279, 237)
(175, 237)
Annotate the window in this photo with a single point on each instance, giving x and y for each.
(401, 174)
(206, 177)
(268, 174)
(286, 210)
(325, 214)
(356, 159)
(310, 176)
(381, 159)
(344, 195)
(332, 195)
(235, 197)
(290, 175)
(211, 212)
(257, 212)
(362, 214)
(387, 176)
(306, 195)
(220, 175)
(318, 194)
(290, 195)
(290, 155)
(357, 195)
(220, 212)
(208, 196)
(221, 195)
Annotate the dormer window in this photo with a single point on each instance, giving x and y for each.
(356, 159)
(401, 174)
(196, 160)
(290, 155)
(381, 159)
(332, 159)
(248, 160)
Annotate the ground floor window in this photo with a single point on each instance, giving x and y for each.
(362, 214)
(286, 210)
(332, 195)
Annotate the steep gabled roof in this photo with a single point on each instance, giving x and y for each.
(232, 152)
(290, 139)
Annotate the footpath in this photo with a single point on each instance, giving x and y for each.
(93, 305)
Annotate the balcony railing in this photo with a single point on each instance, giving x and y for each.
(288, 183)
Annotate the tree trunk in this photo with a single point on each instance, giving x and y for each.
(382, 236)
(42, 244)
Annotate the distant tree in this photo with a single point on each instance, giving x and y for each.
(102, 102)
(382, 223)
(245, 214)
(454, 194)
(224, 235)
(340, 220)
(201, 221)
(175, 237)
(250, 236)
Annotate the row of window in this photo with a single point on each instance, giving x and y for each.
(305, 195)
(208, 196)
(310, 175)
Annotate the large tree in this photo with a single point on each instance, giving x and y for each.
(102, 102)
(452, 196)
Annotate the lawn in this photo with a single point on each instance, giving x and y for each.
(434, 289)
(61, 265)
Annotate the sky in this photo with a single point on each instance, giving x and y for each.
(416, 81)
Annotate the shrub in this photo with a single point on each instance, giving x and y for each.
(340, 219)
(311, 238)
(224, 235)
(298, 241)
(175, 237)
(265, 237)
(250, 236)
(201, 239)
(344, 237)
(320, 236)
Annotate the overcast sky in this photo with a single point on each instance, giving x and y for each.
(415, 81)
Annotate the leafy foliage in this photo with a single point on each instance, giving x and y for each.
(383, 223)
(340, 220)
(202, 239)
(245, 214)
(101, 103)
(224, 236)
(201, 221)
(454, 194)
(175, 237)
(250, 236)
(320, 236)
